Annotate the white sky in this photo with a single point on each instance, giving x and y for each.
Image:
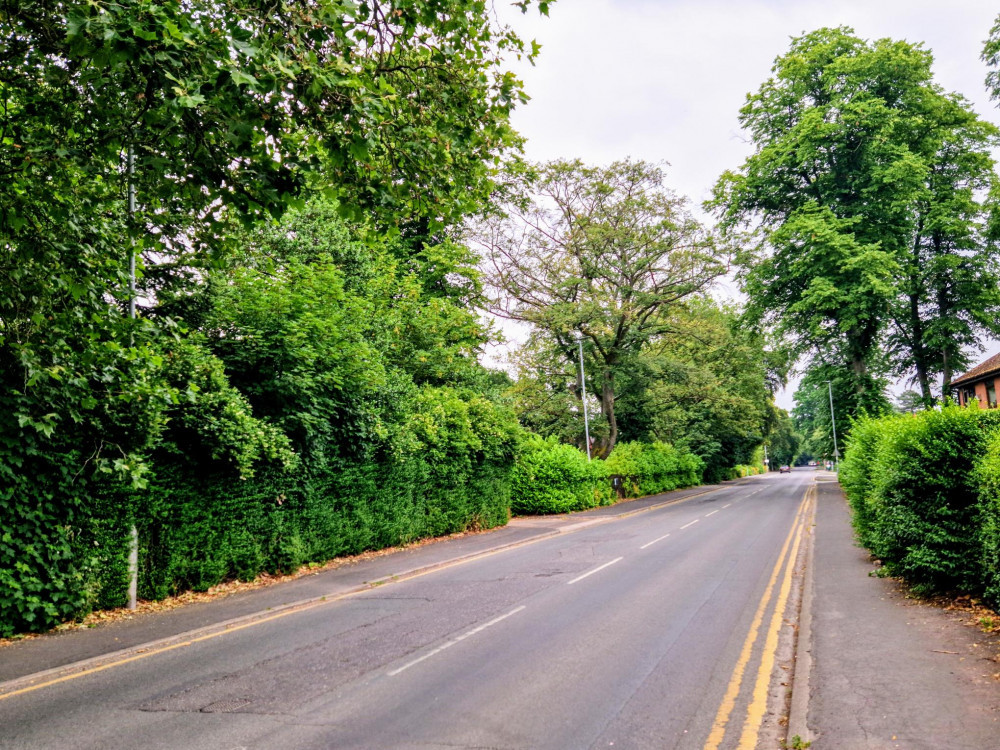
(663, 80)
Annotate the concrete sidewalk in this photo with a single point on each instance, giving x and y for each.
(62, 648)
(888, 671)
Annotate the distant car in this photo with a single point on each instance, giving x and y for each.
(785, 470)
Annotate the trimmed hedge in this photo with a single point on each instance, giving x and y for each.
(196, 532)
(987, 478)
(448, 469)
(654, 467)
(550, 477)
(919, 487)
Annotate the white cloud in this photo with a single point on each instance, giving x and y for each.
(663, 80)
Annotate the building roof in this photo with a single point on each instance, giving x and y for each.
(989, 367)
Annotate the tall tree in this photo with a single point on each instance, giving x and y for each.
(949, 283)
(863, 204)
(604, 252)
(214, 113)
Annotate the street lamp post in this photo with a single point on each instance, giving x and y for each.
(833, 425)
(583, 392)
(133, 532)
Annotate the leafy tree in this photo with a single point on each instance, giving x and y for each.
(910, 402)
(702, 387)
(862, 204)
(546, 394)
(214, 113)
(605, 252)
(812, 406)
(949, 286)
(784, 441)
(705, 389)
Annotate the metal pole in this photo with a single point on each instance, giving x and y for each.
(131, 255)
(133, 539)
(833, 425)
(583, 391)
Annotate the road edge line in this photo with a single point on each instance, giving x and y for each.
(73, 670)
(798, 713)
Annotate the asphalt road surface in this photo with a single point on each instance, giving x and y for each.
(652, 631)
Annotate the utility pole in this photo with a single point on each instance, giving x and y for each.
(583, 392)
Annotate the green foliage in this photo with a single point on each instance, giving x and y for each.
(606, 253)
(987, 478)
(864, 203)
(220, 114)
(784, 441)
(702, 387)
(199, 526)
(912, 484)
(550, 477)
(812, 405)
(654, 467)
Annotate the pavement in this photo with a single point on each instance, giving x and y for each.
(886, 671)
(81, 647)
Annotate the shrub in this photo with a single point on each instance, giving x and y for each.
(912, 479)
(450, 470)
(987, 478)
(550, 477)
(651, 468)
(856, 471)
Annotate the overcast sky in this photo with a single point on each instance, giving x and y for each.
(664, 80)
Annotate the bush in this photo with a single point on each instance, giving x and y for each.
(651, 468)
(450, 471)
(911, 483)
(856, 471)
(550, 477)
(987, 478)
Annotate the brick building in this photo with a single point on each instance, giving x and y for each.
(981, 382)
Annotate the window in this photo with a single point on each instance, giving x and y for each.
(991, 394)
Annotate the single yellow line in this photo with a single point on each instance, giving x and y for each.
(284, 613)
(718, 732)
(232, 629)
(758, 702)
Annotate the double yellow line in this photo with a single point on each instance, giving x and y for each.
(783, 569)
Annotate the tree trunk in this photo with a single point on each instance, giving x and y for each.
(946, 375)
(608, 410)
(919, 352)
(860, 370)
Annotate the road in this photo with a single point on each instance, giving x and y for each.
(657, 630)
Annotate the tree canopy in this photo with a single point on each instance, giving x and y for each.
(864, 209)
(604, 252)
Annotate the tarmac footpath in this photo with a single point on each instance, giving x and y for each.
(886, 671)
(37, 658)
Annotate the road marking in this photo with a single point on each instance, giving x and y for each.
(726, 505)
(718, 731)
(152, 649)
(650, 544)
(758, 702)
(689, 524)
(459, 639)
(712, 513)
(595, 570)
